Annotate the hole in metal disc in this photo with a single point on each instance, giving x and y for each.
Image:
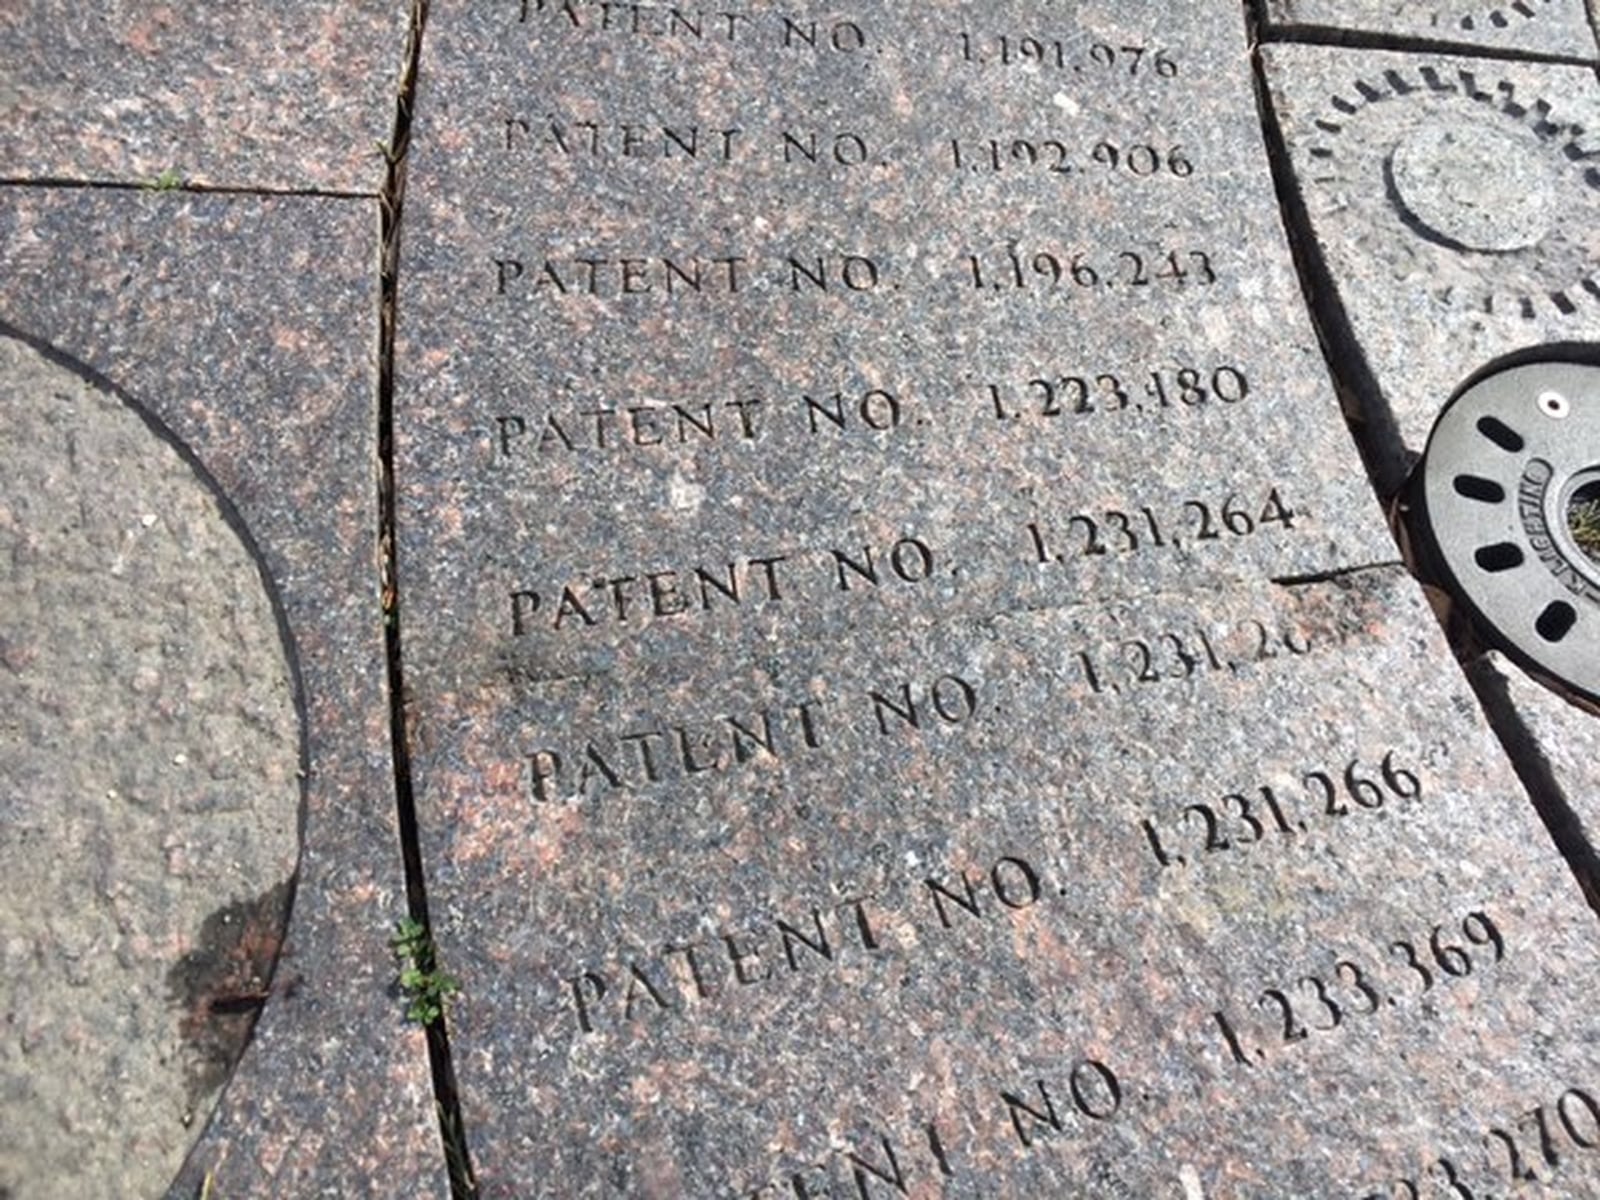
(1583, 519)
(1502, 556)
(1501, 434)
(1556, 621)
(1476, 487)
(1554, 404)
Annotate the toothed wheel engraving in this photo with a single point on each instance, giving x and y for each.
(1504, 17)
(1467, 167)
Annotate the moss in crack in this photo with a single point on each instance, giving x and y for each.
(1583, 521)
(425, 987)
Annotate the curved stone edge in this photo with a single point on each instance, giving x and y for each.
(1402, 354)
(221, 886)
(1408, 336)
(247, 325)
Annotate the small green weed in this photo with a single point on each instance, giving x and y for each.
(426, 988)
(1583, 519)
(170, 180)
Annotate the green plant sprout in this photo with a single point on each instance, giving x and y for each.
(170, 180)
(426, 988)
(1583, 519)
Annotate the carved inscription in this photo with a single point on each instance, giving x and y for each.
(637, 758)
(651, 594)
(614, 276)
(1021, 1115)
(647, 593)
(1348, 991)
(1197, 522)
(634, 991)
(1039, 401)
(1089, 392)
(1136, 663)
(1065, 271)
(1523, 1148)
(1261, 816)
(686, 25)
(1074, 55)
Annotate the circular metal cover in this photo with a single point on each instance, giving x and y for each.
(1513, 461)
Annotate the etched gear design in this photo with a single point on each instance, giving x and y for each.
(1510, 491)
(1464, 167)
(1504, 17)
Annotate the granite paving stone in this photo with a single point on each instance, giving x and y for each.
(909, 690)
(150, 792)
(274, 94)
(245, 325)
(1554, 740)
(1549, 27)
(908, 687)
(730, 974)
(1447, 242)
(1055, 386)
(1452, 202)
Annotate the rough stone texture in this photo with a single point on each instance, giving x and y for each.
(1553, 742)
(284, 94)
(151, 782)
(246, 326)
(683, 848)
(730, 1085)
(1555, 27)
(1454, 207)
(526, 369)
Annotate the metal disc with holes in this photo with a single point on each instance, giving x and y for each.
(1511, 502)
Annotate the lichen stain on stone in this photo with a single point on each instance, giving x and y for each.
(222, 984)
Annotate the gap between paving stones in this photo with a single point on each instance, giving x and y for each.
(119, 185)
(1354, 39)
(1374, 428)
(1533, 768)
(447, 1103)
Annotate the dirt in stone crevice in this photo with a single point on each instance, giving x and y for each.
(221, 985)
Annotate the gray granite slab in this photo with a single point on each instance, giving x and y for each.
(1557, 747)
(1454, 206)
(767, 877)
(753, 972)
(1554, 27)
(592, 313)
(281, 94)
(150, 791)
(246, 326)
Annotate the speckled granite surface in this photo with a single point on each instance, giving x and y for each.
(1555, 27)
(1453, 203)
(1556, 739)
(278, 94)
(149, 793)
(849, 766)
(247, 326)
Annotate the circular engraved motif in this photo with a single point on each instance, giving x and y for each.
(1503, 17)
(1509, 484)
(1454, 182)
(149, 799)
(1459, 164)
